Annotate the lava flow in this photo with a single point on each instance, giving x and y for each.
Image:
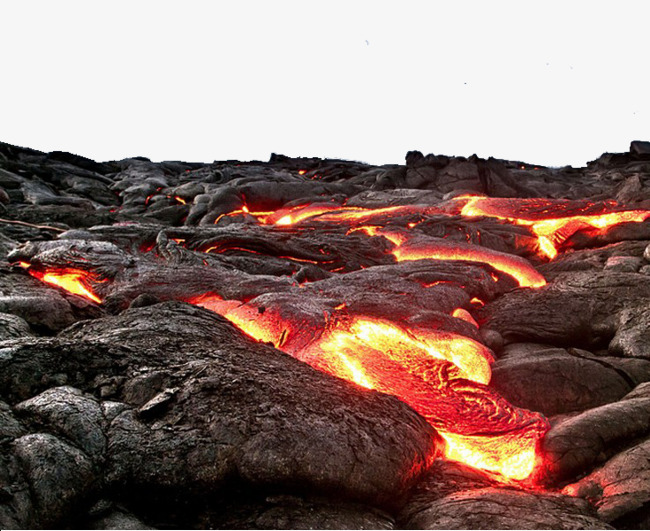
(75, 281)
(442, 375)
(437, 249)
(328, 212)
(552, 221)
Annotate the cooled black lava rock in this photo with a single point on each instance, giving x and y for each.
(143, 411)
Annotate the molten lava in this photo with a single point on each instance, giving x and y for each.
(330, 212)
(439, 249)
(552, 221)
(441, 375)
(460, 313)
(75, 281)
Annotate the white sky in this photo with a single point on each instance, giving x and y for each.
(554, 82)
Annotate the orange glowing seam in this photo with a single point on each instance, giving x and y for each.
(295, 215)
(438, 373)
(305, 260)
(460, 313)
(552, 228)
(373, 230)
(338, 213)
(516, 267)
(328, 212)
(180, 200)
(478, 302)
(436, 283)
(220, 249)
(302, 172)
(368, 230)
(259, 216)
(72, 280)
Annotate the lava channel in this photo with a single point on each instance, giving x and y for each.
(553, 221)
(72, 280)
(442, 375)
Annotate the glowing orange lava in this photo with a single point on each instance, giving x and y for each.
(518, 268)
(552, 221)
(441, 375)
(463, 314)
(329, 212)
(75, 281)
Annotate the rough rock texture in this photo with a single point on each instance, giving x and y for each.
(124, 405)
(580, 309)
(556, 381)
(195, 406)
(620, 487)
(497, 508)
(293, 512)
(577, 444)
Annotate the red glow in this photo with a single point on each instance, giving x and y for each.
(260, 216)
(441, 375)
(477, 302)
(517, 267)
(329, 212)
(295, 215)
(75, 281)
(552, 221)
(460, 313)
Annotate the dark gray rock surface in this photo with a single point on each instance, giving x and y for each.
(224, 409)
(499, 508)
(144, 411)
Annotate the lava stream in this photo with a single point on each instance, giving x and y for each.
(75, 281)
(552, 221)
(441, 375)
(329, 212)
(408, 248)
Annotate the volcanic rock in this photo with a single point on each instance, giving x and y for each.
(234, 413)
(577, 444)
(158, 320)
(494, 508)
(293, 512)
(632, 337)
(639, 148)
(580, 309)
(620, 488)
(117, 519)
(556, 381)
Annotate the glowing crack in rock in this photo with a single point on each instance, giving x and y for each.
(442, 375)
(75, 281)
(553, 221)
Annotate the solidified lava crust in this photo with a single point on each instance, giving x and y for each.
(450, 343)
